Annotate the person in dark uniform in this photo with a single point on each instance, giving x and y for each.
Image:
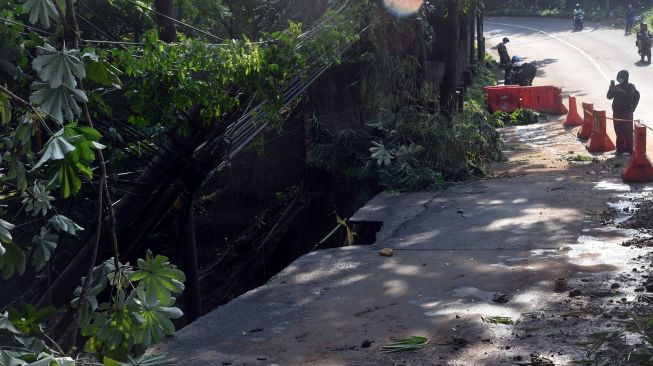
(644, 42)
(504, 57)
(625, 98)
(630, 18)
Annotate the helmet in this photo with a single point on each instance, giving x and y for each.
(516, 58)
(622, 76)
(505, 40)
(578, 5)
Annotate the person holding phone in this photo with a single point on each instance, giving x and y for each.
(625, 98)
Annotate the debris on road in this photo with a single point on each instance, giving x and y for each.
(386, 252)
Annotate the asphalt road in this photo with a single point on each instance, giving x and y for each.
(581, 62)
(456, 250)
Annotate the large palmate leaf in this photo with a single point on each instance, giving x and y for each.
(12, 261)
(41, 11)
(381, 154)
(157, 279)
(38, 200)
(143, 360)
(156, 324)
(58, 67)
(55, 149)
(29, 320)
(62, 223)
(58, 103)
(45, 244)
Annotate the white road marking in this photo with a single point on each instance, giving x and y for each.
(591, 60)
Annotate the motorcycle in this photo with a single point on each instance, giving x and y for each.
(578, 20)
(644, 47)
(520, 73)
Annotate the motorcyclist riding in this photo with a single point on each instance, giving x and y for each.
(504, 58)
(578, 18)
(643, 42)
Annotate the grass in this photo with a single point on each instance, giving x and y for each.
(407, 344)
(579, 158)
(498, 320)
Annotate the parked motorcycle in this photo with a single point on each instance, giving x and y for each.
(520, 73)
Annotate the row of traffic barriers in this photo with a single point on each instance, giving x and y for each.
(593, 126)
(508, 98)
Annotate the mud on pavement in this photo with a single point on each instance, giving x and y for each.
(473, 269)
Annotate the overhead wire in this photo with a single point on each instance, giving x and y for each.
(175, 20)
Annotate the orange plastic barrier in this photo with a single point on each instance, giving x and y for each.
(600, 141)
(506, 98)
(639, 167)
(573, 118)
(546, 99)
(585, 131)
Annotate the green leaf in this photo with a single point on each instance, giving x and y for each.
(11, 359)
(55, 149)
(38, 200)
(58, 68)
(381, 154)
(157, 279)
(5, 235)
(58, 103)
(41, 11)
(62, 223)
(5, 109)
(29, 320)
(101, 71)
(69, 182)
(143, 360)
(6, 324)
(45, 245)
(156, 324)
(12, 261)
(406, 344)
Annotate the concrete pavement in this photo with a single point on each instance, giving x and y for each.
(455, 251)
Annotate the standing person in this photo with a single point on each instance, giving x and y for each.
(643, 42)
(504, 57)
(630, 18)
(625, 99)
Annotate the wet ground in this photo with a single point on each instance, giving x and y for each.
(462, 257)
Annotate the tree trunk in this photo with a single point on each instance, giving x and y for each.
(451, 67)
(470, 36)
(165, 20)
(480, 40)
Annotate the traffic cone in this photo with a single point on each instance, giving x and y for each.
(588, 121)
(573, 118)
(600, 141)
(639, 167)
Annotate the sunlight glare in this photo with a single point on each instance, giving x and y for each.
(402, 8)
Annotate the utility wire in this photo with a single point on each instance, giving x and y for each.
(175, 20)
